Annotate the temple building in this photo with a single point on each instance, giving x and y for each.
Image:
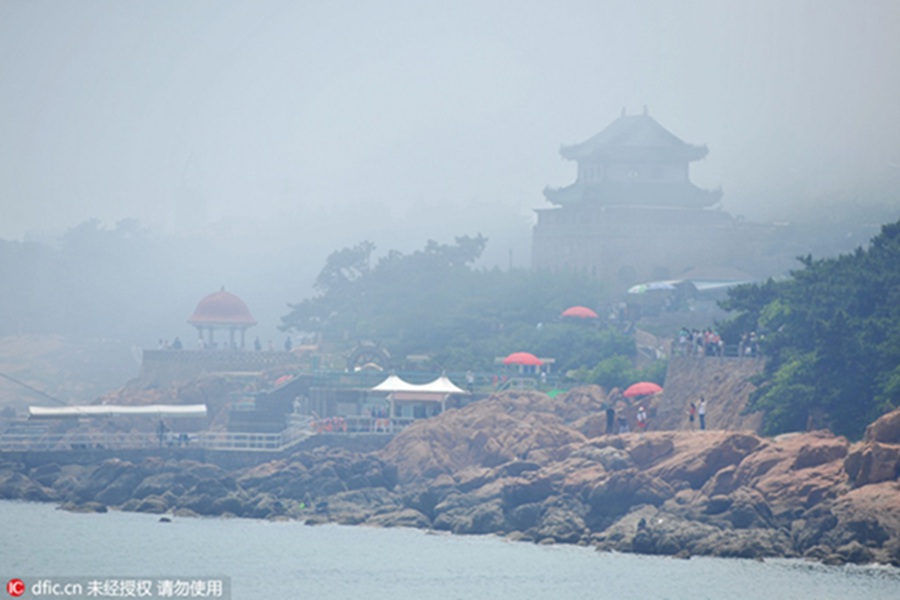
(633, 215)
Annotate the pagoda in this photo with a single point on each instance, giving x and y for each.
(632, 214)
(635, 161)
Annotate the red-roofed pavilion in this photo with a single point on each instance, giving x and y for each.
(222, 311)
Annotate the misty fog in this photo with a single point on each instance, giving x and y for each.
(257, 137)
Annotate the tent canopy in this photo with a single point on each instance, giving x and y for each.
(442, 386)
(106, 410)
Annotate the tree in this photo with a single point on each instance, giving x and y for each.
(434, 302)
(831, 337)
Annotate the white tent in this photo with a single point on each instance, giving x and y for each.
(105, 410)
(442, 385)
(434, 391)
(394, 384)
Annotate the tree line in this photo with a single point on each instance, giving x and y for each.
(831, 335)
(434, 302)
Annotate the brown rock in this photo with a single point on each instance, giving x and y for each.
(505, 427)
(886, 429)
(873, 462)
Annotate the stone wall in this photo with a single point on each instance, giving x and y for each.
(166, 366)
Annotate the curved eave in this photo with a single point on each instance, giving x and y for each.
(687, 152)
(687, 196)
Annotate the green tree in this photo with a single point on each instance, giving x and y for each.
(434, 302)
(831, 338)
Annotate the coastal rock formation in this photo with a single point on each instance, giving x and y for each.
(521, 464)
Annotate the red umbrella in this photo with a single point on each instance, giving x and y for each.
(582, 312)
(283, 379)
(522, 358)
(642, 388)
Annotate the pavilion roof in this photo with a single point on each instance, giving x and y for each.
(634, 137)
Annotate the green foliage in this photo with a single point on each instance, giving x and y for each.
(618, 371)
(832, 338)
(434, 302)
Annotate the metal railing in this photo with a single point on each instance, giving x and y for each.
(41, 441)
(359, 424)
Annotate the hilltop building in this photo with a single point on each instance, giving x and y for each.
(227, 314)
(633, 215)
(222, 311)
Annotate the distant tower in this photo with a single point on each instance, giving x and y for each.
(632, 213)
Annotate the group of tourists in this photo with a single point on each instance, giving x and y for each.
(693, 342)
(708, 342)
(617, 422)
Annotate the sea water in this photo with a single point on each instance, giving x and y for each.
(289, 560)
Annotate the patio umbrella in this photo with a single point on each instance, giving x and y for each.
(642, 388)
(522, 358)
(581, 312)
(283, 379)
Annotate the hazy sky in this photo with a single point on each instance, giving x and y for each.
(441, 117)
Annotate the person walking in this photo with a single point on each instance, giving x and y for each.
(701, 411)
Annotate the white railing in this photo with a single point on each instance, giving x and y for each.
(208, 440)
(42, 441)
(300, 427)
(359, 424)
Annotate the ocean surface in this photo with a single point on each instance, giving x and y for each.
(289, 560)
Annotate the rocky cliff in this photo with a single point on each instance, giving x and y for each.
(531, 467)
(724, 382)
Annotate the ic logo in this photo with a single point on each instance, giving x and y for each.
(15, 587)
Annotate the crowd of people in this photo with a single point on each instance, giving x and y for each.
(708, 342)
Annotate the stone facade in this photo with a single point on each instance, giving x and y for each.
(633, 215)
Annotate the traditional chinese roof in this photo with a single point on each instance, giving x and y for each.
(222, 308)
(647, 193)
(634, 137)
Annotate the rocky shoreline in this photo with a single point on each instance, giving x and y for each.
(533, 468)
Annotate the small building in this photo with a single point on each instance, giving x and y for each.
(222, 311)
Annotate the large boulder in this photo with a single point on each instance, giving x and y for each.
(886, 429)
(623, 490)
(873, 462)
(17, 486)
(696, 457)
(511, 426)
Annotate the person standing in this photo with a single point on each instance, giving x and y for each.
(610, 419)
(692, 414)
(641, 419)
(701, 411)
